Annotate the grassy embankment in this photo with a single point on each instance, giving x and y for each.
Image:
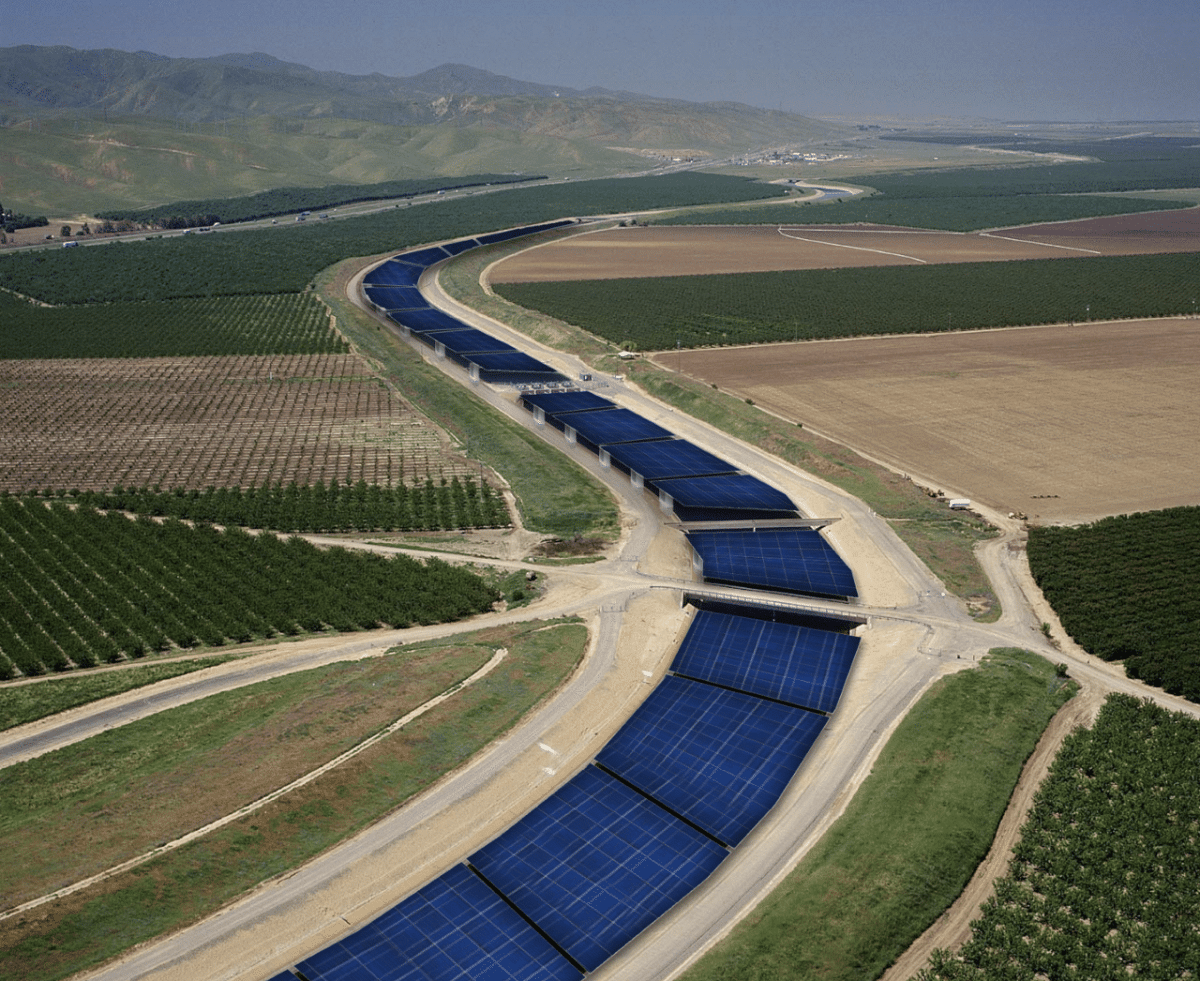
(555, 495)
(101, 790)
(24, 703)
(910, 838)
(943, 539)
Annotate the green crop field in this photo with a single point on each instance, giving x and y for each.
(1104, 879)
(1125, 589)
(659, 313)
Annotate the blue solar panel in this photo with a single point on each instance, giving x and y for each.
(425, 319)
(454, 929)
(462, 245)
(422, 257)
(793, 663)
(395, 297)
(668, 458)
(468, 341)
(392, 273)
(514, 360)
(735, 491)
(615, 426)
(284, 976)
(560, 403)
(596, 864)
(794, 559)
(511, 233)
(719, 758)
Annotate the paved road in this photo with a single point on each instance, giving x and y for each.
(916, 633)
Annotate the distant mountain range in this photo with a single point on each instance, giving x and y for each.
(50, 80)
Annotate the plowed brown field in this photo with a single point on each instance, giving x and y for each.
(636, 251)
(1063, 423)
(220, 421)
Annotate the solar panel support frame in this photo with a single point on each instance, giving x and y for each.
(635, 478)
(605, 458)
(569, 434)
(666, 502)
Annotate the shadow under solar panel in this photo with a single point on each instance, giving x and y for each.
(454, 929)
(597, 863)
(721, 759)
(796, 664)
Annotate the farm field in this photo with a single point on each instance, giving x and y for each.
(1065, 424)
(642, 251)
(93, 424)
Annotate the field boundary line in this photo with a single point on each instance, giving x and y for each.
(1048, 245)
(500, 654)
(856, 248)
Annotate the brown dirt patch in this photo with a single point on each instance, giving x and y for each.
(222, 421)
(662, 250)
(1063, 423)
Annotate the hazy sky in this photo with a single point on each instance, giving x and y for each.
(1005, 59)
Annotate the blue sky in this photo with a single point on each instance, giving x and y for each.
(1101, 60)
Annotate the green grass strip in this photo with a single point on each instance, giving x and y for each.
(911, 837)
(78, 932)
(555, 495)
(23, 703)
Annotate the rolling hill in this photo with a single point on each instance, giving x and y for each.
(85, 130)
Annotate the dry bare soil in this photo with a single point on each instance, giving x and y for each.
(220, 421)
(1063, 423)
(690, 250)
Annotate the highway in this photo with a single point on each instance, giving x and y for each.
(914, 634)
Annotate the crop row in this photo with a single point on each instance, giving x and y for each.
(192, 422)
(1125, 589)
(286, 258)
(296, 323)
(952, 214)
(1104, 880)
(287, 200)
(660, 313)
(360, 506)
(80, 586)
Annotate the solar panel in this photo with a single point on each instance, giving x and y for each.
(596, 864)
(793, 559)
(736, 491)
(468, 341)
(511, 233)
(559, 403)
(425, 319)
(786, 661)
(422, 257)
(509, 361)
(392, 273)
(668, 458)
(456, 928)
(395, 297)
(462, 245)
(615, 426)
(719, 758)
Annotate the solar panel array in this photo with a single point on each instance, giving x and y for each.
(668, 458)
(728, 492)
(564, 403)
(788, 662)
(395, 297)
(719, 758)
(454, 928)
(596, 864)
(795, 560)
(615, 426)
(696, 767)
